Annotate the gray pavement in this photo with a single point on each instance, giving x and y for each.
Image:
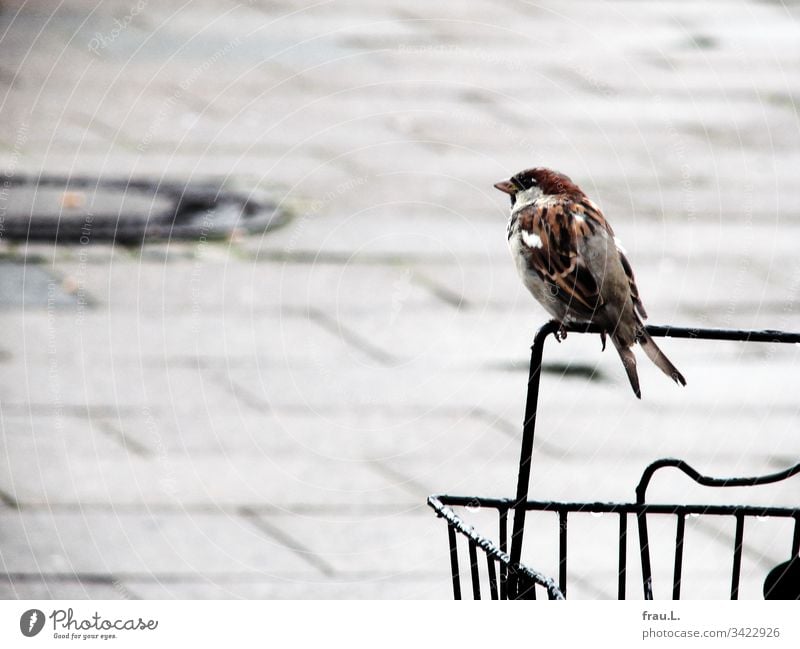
(264, 416)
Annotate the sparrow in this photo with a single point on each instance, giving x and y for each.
(569, 259)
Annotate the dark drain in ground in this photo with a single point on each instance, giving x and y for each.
(87, 210)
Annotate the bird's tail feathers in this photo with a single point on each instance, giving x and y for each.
(655, 354)
(629, 362)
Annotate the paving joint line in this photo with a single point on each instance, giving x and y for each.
(287, 541)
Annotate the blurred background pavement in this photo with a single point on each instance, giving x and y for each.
(264, 416)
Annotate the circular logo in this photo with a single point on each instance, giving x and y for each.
(31, 622)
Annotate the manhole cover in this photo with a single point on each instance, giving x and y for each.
(87, 210)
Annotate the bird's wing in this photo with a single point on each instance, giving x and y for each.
(550, 233)
(595, 215)
(637, 301)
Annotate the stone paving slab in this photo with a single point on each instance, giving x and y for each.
(394, 545)
(108, 542)
(49, 588)
(225, 282)
(69, 386)
(358, 586)
(264, 416)
(175, 345)
(56, 457)
(190, 480)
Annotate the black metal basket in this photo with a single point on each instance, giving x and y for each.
(507, 578)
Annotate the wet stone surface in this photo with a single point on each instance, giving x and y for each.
(263, 415)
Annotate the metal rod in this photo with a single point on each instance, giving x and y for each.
(743, 335)
(451, 537)
(630, 508)
(516, 574)
(526, 450)
(737, 557)
(473, 567)
(708, 481)
(676, 574)
(531, 576)
(644, 550)
(562, 552)
(503, 548)
(492, 577)
(623, 550)
(526, 588)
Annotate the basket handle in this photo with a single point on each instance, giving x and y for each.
(708, 481)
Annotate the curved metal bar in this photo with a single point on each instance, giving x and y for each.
(442, 511)
(743, 335)
(708, 481)
(699, 333)
(528, 428)
(520, 504)
(504, 504)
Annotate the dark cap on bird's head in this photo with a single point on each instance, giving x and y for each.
(547, 180)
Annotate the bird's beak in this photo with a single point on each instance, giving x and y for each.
(506, 186)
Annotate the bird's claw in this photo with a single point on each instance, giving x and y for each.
(603, 340)
(561, 333)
